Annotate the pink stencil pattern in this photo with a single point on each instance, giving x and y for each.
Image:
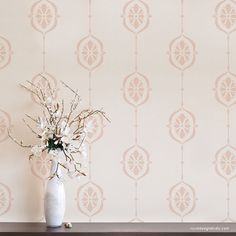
(225, 92)
(182, 199)
(90, 52)
(90, 199)
(136, 162)
(225, 16)
(136, 16)
(225, 89)
(182, 126)
(225, 162)
(41, 166)
(5, 199)
(5, 124)
(43, 84)
(43, 16)
(5, 52)
(94, 128)
(136, 89)
(182, 52)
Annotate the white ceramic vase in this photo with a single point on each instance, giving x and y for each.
(54, 201)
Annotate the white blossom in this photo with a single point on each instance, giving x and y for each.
(71, 174)
(56, 114)
(49, 101)
(47, 134)
(84, 150)
(37, 150)
(42, 123)
(67, 139)
(66, 131)
(54, 153)
(89, 126)
(63, 124)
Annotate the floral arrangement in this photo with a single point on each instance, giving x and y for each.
(58, 129)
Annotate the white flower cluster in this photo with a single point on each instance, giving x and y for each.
(58, 135)
(61, 131)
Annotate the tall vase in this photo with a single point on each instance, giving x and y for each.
(54, 201)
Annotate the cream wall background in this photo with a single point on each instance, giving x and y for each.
(164, 71)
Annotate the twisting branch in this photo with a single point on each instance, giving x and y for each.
(18, 143)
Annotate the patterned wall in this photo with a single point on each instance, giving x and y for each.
(163, 70)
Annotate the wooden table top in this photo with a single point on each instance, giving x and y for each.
(118, 229)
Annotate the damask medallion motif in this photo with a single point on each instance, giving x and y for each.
(44, 84)
(182, 126)
(182, 52)
(136, 16)
(5, 199)
(5, 124)
(225, 162)
(225, 89)
(90, 52)
(136, 89)
(225, 16)
(136, 162)
(41, 166)
(90, 199)
(182, 199)
(5, 52)
(44, 16)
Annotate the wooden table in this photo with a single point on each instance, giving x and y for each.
(118, 229)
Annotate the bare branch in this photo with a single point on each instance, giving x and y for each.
(18, 143)
(31, 129)
(73, 91)
(30, 117)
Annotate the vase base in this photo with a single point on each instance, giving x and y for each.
(54, 226)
